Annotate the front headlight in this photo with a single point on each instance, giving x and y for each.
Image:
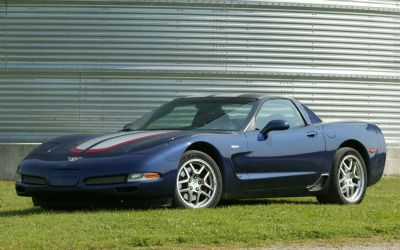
(143, 177)
(19, 177)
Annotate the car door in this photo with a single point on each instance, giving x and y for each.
(286, 158)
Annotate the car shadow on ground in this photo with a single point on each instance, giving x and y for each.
(21, 212)
(38, 210)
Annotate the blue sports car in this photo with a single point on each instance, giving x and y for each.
(194, 152)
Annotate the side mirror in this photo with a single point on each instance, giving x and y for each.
(274, 125)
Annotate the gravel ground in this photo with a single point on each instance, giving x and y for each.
(343, 246)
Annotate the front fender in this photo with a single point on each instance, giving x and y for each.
(231, 150)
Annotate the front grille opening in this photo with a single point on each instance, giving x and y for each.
(106, 180)
(33, 180)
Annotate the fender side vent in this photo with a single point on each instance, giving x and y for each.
(319, 184)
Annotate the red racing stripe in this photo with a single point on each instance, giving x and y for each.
(75, 150)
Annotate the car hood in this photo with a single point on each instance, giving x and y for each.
(111, 144)
(120, 139)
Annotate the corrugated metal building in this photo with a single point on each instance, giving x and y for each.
(92, 66)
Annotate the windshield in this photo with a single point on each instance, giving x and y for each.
(207, 113)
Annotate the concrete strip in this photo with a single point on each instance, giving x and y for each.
(10, 157)
(392, 167)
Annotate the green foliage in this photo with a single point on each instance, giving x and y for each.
(242, 223)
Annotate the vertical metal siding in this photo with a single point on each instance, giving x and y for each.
(91, 66)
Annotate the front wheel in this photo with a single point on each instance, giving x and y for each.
(348, 182)
(198, 181)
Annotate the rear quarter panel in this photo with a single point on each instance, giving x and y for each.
(368, 135)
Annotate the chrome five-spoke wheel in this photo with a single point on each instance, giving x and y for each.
(348, 180)
(351, 178)
(198, 182)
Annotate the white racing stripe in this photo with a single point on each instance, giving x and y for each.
(96, 140)
(122, 139)
(108, 142)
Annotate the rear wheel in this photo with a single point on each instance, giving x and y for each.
(198, 182)
(348, 182)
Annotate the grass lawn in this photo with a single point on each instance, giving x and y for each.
(243, 224)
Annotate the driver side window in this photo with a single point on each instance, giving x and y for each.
(279, 109)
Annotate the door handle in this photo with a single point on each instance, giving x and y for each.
(312, 134)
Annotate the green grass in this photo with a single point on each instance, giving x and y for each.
(244, 224)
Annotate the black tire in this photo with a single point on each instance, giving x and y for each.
(193, 155)
(334, 194)
(45, 204)
(40, 202)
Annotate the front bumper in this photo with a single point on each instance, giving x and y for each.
(111, 195)
(148, 189)
(67, 181)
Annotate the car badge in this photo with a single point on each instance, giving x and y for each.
(72, 159)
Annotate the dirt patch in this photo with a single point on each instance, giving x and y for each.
(362, 244)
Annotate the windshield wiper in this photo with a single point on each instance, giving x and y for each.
(152, 129)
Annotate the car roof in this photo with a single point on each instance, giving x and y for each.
(249, 95)
(257, 96)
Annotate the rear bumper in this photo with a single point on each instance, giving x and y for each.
(376, 169)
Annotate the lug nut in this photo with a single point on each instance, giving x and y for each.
(194, 177)
(191, 188)
(199, 182)
(190, 180)
(197, 189)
